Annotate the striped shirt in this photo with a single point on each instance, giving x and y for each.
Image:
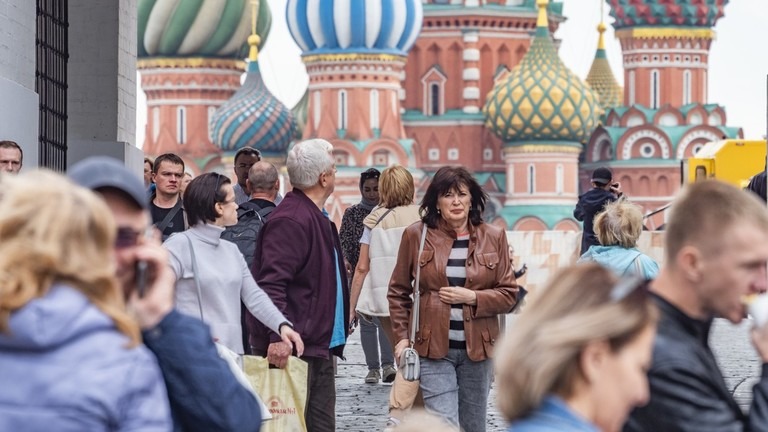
(456, 270)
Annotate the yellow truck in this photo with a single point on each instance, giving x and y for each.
(733, 160)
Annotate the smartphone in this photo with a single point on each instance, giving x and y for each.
(142, 267)
(141, 277)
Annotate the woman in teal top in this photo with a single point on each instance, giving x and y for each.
(618, 228)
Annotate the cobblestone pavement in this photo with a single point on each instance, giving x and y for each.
(363, 407)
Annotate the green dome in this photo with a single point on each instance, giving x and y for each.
(663, 13)
(541, 99)
(199, 28)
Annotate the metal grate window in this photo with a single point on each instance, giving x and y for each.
(51, 81)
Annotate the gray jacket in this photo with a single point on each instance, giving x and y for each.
(65, 367)
(224, 280)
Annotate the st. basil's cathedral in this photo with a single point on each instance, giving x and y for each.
(427, 83)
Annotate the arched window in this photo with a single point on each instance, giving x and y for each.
(686, 87)
(343, 109)
(374, 111)
(531, 179)
(559, 179)
(631, 88)
(655, 89)
(434, 99)
(181, 125)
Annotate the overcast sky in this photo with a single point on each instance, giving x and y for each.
(738, 63)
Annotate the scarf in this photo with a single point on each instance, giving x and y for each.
(368, 205)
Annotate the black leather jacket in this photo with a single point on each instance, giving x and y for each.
(688, 392)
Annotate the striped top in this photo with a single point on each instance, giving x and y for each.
(456, 270)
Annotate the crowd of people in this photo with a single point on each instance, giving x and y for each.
(117, 298)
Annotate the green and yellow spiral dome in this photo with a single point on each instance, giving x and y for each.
(199, 28)
(541, 99)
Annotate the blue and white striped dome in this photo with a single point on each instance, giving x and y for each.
(355, 26)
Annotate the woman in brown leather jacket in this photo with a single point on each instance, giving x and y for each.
(465, 281)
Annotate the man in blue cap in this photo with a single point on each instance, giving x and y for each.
(148, 284)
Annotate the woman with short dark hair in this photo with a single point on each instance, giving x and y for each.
(466, 281)
(211, 274)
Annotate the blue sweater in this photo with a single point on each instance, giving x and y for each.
(553, 416)
(204, 394)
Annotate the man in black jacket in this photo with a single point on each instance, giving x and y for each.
(603, 191)
(716, 256)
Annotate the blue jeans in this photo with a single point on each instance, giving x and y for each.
(372, 338)
(456, 389)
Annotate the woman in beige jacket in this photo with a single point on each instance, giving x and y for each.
(379, 244)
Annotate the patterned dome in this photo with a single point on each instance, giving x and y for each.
(541, 99)
(601, 78)
(656, 13)
(253, 117)
(202, 28)
(355, 26)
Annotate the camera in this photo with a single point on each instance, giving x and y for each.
(616, 185)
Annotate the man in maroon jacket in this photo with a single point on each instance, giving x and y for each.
(299, 264)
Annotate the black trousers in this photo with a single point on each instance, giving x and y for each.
(320, 414)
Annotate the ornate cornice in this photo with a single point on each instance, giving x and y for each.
(347, 57)
(543, 148)
(665, 32)
(191, 62)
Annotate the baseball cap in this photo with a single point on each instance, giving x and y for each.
(98, 172)
(602, 175)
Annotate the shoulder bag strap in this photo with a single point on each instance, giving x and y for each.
(169, 217)
(634, 263)
(194, 273)
(381, 218)
(416, 293)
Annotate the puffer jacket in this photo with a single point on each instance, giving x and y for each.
(488, 273)
(65, 367)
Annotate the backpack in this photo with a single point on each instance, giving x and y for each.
(250, 219)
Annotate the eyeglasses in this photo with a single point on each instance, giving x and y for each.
(216, 188)
(129, 237)
(626, 286)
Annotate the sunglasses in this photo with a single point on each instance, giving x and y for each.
(371, 174)
(627, 286)
(129, 237)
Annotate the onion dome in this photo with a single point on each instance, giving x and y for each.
(659, 13)
(541, 99)
(253, 117)
(601, 78)
(198, 28)
(355, 26)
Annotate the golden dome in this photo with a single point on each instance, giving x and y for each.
(601, 78)
(541, 99)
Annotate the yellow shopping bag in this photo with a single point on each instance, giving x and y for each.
(284, 392)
